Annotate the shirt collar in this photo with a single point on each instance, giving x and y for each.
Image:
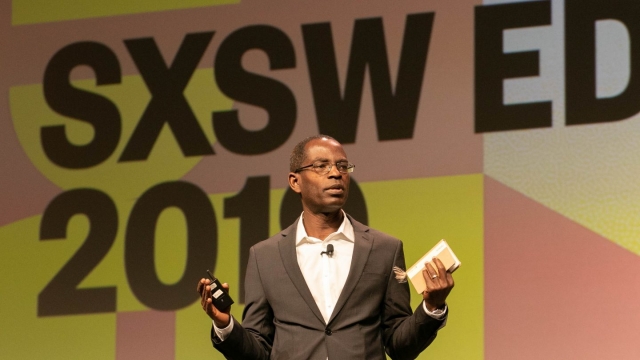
(344, 232)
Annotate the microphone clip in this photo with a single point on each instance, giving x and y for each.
(329, 250)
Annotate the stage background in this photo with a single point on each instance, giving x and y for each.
(144, 142)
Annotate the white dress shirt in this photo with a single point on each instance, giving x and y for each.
(325, 274)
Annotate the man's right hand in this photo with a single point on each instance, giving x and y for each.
(220, 318)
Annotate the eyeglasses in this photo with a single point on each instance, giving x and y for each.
(324, 167)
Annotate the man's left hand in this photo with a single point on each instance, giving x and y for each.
(439, 285)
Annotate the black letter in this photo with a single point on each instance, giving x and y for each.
(395, 113)
(139, 247)
(81, 105)
(492, 66)
(250, 88)
(582, 106)
(251, 205)
(62, 296)
(168, 104)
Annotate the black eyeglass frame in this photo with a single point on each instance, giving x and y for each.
(316, 166)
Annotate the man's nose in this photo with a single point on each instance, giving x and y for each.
(334, 171)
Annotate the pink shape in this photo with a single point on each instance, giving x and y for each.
(145, 335)
(554, 289)
(24, 190)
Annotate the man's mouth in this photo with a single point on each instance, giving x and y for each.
(335, 189)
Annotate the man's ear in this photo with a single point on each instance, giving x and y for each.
(294, 182)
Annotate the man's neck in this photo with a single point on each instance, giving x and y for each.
(321, 225)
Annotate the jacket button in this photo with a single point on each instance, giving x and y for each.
(328, 331)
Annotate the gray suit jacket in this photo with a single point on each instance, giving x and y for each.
(373, 315)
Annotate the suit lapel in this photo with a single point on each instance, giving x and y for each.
(287, 247)
(361, 249)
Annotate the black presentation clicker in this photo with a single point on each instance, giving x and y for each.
(220, 297)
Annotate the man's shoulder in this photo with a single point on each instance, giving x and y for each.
(374, 233)
(384, 235)
(382, 238)
(274, 240)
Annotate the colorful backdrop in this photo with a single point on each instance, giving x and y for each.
(145, 142)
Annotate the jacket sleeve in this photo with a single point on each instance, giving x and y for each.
(406, 334)
(254, 337)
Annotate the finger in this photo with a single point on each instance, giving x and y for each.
(427, 279)
(433, 275)
(201, 288)
(207, 282)
(430, 285)
(447, 279)
(439, 265)
(426, 276)
(450, 281)
(206, 295)
(203, 296)
(200, 285)
(442, 272)
(209, 306)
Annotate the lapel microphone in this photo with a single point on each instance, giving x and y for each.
(329, 250)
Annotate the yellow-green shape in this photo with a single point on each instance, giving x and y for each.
(420, 212)
(44, 11)
(121, 180)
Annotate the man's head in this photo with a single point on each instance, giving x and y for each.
(320, 191)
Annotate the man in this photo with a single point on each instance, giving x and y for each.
(325, 287)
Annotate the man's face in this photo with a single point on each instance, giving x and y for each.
(322, 193)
